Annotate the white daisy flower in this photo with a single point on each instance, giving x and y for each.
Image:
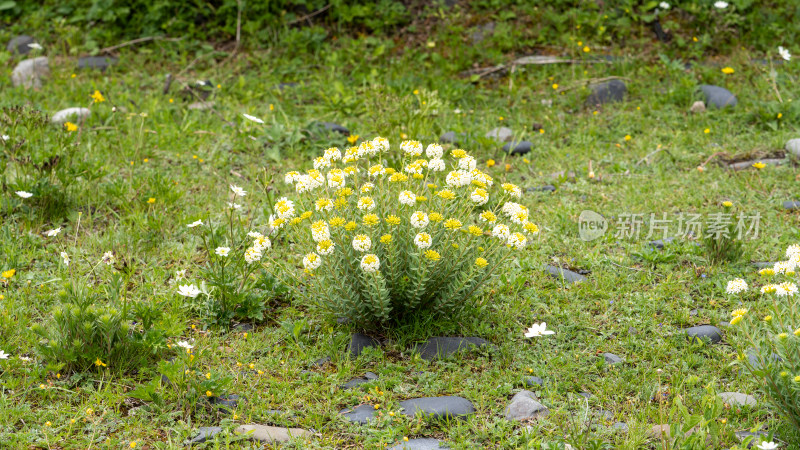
(423, 240)
(222, 251)
(253, 118)
(185, 344)
(188, 290)
(64, 258)
(4, 355)
(5, 137)
(720, 4)
(664, 5)
(238, 191)
(54, 232)
(419, 220)
(370, 263)
(180, 274)
(312, 261)
(196, 223)
(784, 54)
(24, 194)
(234, 205)
(538, 329)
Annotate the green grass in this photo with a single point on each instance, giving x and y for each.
(192, 157)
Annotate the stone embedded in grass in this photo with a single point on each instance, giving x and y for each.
(525, 406)
(419, 444)
(718, 96)
(200, 106)
(567, 275)
(793, 147)
(791, 205)
(501, 134)
(20, 44)
(359, 341)
(29, 72)
(745, 165)
(704, 332)
(355, 382)
(585, 395)
(361, 414)
(242, 326)
(438, 407)
(518, 148)
(659, 243)
(449, 138)
(483, 30)
(270, 435)
(100, 63)
(612, 359)
(698, 107)
(621, 426)
(737, 399)
(224, 402)
(71, 115)
(204, 434)
(607, 92)
(532, 381)
(321, 362)
(336, 127)
(545, 188)
(441, 347)
(753, 359)
(282, 86)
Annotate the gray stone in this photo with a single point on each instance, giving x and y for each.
(321, 362)
(745, 165)
(757, 437)
(20, 45)
(441, 347)
(223, 402)
(532, 381)
(612, 359)
(704, 332)
(718, 96)
(545, 188)
(270, 435)
(693, 312)
(763, 264)
(71, 114)
(30, 72)
(100, 63)
(754, 360)
(438, 407)
(585, 395)
(793, 147)
(501, 134)
(480, 34)
(659, 243)
(336, 127)
(737, 399)
(419, 444)
(205, 434)
(607, 92)
(449, 138)
(791, 205)
(698, 107)
(565, 274)
(518, 148)
(359, 341)
(525, 406)
(621, 426)
(361, 414)
(355, 382)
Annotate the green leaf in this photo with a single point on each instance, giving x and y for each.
(8, 4)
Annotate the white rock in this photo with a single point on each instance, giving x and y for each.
(71, 114)
(502, 134)
(737, 399)
(268, 434)
(793, 147)
(698, 107)
(29, 72)
(525, 406)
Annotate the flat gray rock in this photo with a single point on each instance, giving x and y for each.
(763, 264)
(336, 127)
(621, 426)
(361, 414)
(271, 435)
(441, 347)
(449, 138)
(567, 275)
(532, 381)
(791, 205)
(793, 147)
(501, 134)
(359, 341)
(29, 73)
(419, 444)
(704, 332)
(659, 243)
(754, 360)
(438, 407)
(738, 399)
(745, 165)
(204, 434)
(100, 63)
(355, 382)
(545, 188)
(525, 406)
(607, 92)
(718, 96)
(518, 148)
(71, 115)
(20, 44)
(612, 359)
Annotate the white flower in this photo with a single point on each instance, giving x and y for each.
(411, 148)
(253, 118)
(4, 355)
(436, 165)
(262, 243)
(382, 144)
(54, 232)
(291, 177)
(325, 247)
(234, 205)
(792, 250)
(367, 187)
(222, 251)
(196, 223)
(366, 204)
(5, 137)
(516, 212)
(467, 163)
(284, 208)
(185, 344)
(735, 286)
(407, 198)
(767, 445)
(501, 232)
(333, 154)
(24, 358)
(517, 241)
(423, 241)
(664, 5)
(311, 261)
(321, 162)
(419, 220)
(786, 289)
(238, 191)
(434, 151)
(538, 329)
(180, 274)
(35, 46)
(784, 266)
(320, 231)
(65, 258)
(370, 263)
(376, 170)
(336, 179)
(252, 254)
(784, 53)
(108, 258)
(512, 190)
(24, 194)
(255, 235)
(188, 290)
(720, 5)
(362, 243)
(368, 148)
(479, 196)
(458, 178)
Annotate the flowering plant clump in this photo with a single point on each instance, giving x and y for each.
(381, 242)
(772, 335)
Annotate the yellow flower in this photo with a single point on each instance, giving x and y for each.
(480, 262)
(393, 220)
(727, 203)
(627, 137)
(508, 167)
(171, 100)
(89, 411)
(446, 194)
(370, 220)
(386, 239)
(435, 217)
(390, 171)
(73, 76)
(490, 163)
(707, 130)
(9, 273)
(780, 115)
(727, 70)
(420, 198)
(296, 221)
(586, 50)
(555, 86)
(350, 226)
(736, 320)
(271, 107)
(501, 118)
(416, 92)
(209, 394)
(694, 38)
(767, 271)
(99, 363)
(541, 130)
(352, 139)
(340, 202)
(783, 336)
(398, 177)
(344, 192)
(723, 421)
(431, 186)
(759, 165)
(98, 97)
(531, 228)
(151, 200)
(432, 255)
(458, 153)
(452, 224)
(767, 318)
(739, 312)
(71, 127)
(475, 231)
(133, 444)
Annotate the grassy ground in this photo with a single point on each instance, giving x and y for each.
(152, 146)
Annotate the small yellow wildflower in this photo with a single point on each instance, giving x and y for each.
(739, 312)
(555, 86)
(9, 273)
(171, 100)
(386, 239)
(759, 165)
(767, 318)
(508, 167)
(694, 38)
(767, 271)
(99, 363)
(480, 262)
(727, 203)
(432, 255)
(209, 394)
(541, 130)
(73, 76)
(352, 139)
(490, 163)
(350, 226)
(736, 320)
(48, 423)
(586, 50)
(370, 220)
(475, 231)
(452, 224)
(420, 198)
(71, 127)
(727, 70)
(707, 130)
(97, 97)
(627, 137)
(797, 379)
(337, 221)
(780, 115)
(783, 336)
(446, 194)
(151, 200)
(393, 220)
(133, 444)
(435, 217)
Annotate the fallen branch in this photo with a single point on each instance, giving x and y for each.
(138, 41)
(308, 16)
